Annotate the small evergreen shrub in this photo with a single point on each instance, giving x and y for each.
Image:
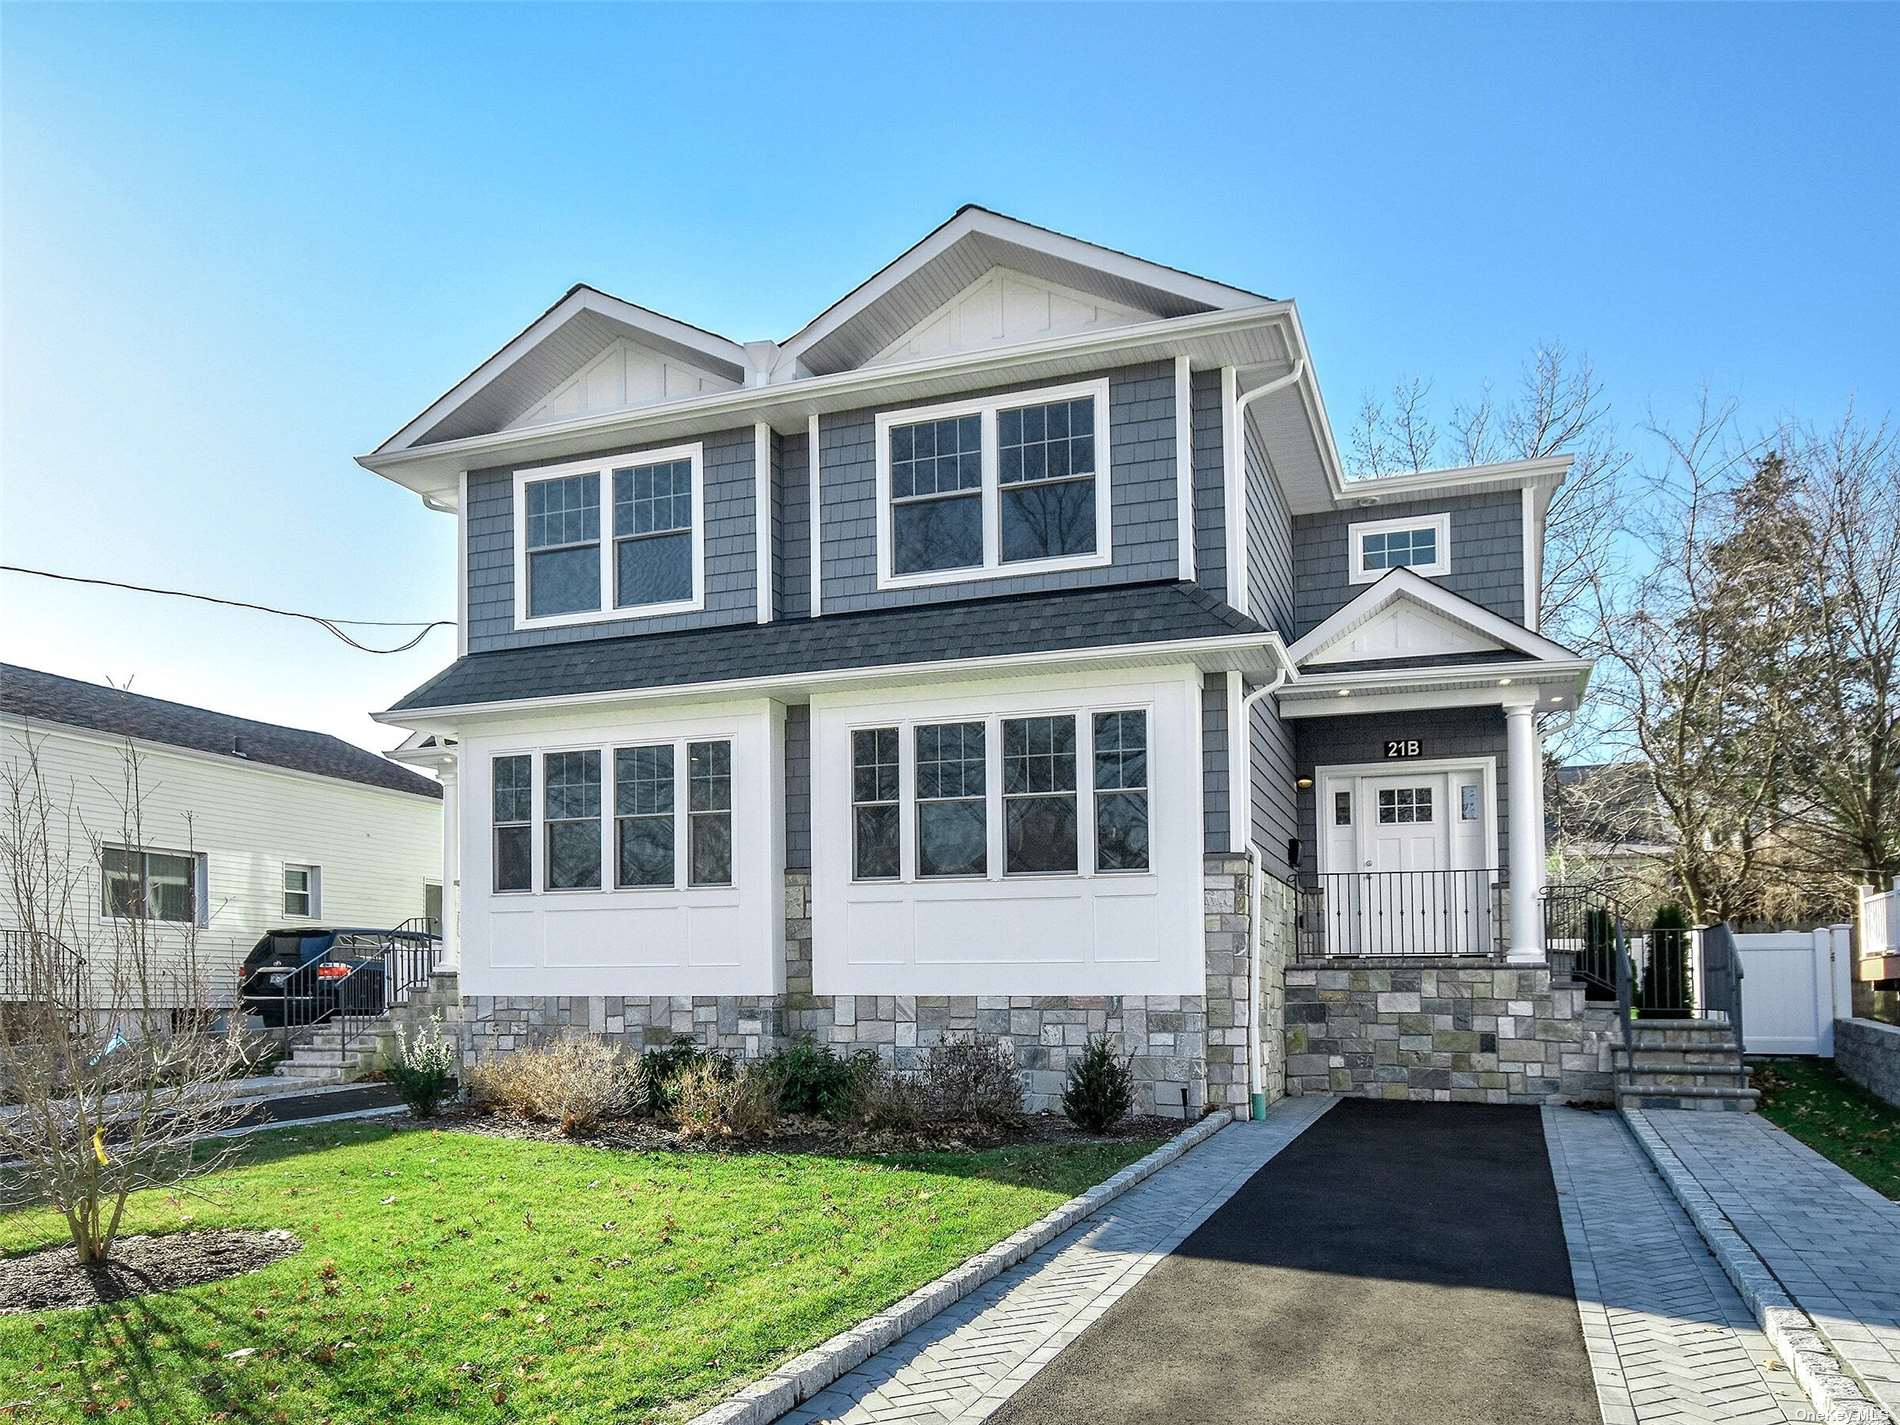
(423, 1067)
(810, 1079)
(1101, 1087)
(577, 1084)
(715, 1103)
(967, 1082)
(663, 1068)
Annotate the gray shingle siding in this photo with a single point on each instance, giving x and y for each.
(1269, 542)
(1487, 554)
(1214, 762)
(794, 528)
(1210, 512)
(1275, 801)
(1442, 732)
(798, 787)
(731, 574)
(1142, 490)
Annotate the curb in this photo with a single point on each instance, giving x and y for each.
(804, 1376)
(1789, 1329)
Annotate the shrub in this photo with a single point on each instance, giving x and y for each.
(423, 1067)
(1101, 1087)
(888, 1101)
(968, 1082)
(716, 1103)
(575, 1083)
(809, 1078)
(662, 1069)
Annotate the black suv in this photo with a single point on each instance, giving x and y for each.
(298, 977)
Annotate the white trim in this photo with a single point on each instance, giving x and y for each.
(1122, 655)
(987, 407)
(1399, 767)
(461, 565)
(606, 561)
(764, 520)
(1356, 532)
(1239, 768)
(1502, 474)
(1403, 583)
(1533, 562)
(1233, 492)
(1184, 466)
(312, 892)
(1053, 244)
(816, 532)
(666, 328)
(1554, 686)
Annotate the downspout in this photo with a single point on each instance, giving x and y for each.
(1236, 472)
(1256, 903)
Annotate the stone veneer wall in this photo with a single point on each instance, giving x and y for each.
(1453, 1032)
(1189, 1051)
(1868, 1052)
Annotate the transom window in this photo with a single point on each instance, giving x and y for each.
(1401, 806)
(1421, 544)
(654, 561)
(150, 885)
(1004, 484)
(1015, 778)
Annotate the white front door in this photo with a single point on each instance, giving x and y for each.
(1402, 846)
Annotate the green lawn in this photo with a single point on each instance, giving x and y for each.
(1834, 1116)
(450, 1276)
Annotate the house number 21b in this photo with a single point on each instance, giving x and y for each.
(1407, 747)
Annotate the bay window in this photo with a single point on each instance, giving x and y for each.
(651, 560)
(994, 485)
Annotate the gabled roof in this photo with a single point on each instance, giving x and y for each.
(947, 260)
(38, 697)
(1462, 629)
(552, 348)
(1116, 621)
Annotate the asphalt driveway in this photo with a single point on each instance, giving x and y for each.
(1397, 1262)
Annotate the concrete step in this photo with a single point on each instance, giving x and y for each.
(1712, 1049)
(1704, 1099)
(1669, 1080)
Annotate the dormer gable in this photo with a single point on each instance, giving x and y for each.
(1003, 307)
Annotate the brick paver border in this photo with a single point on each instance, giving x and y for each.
(1796, 1339)
(804, 1376)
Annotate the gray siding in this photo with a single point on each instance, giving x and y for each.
(1210, 513)
(1214, 762)
(1443, 732)
(798, 787)
(731, 577)
(1142, 490)
(1269, 542)
(794, 528)
(1487, 554)
(1275, 803)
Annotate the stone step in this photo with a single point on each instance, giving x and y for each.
(1725, 1049)
(1707, 1098)
(1682, 1078)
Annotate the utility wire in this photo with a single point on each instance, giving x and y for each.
(333, 626)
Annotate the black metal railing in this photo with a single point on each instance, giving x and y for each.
(39, 968)
(1581, 936)
(355, 982)
(1403, 914)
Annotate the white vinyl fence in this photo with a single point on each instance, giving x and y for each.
(1880, 921)
(1795, 984)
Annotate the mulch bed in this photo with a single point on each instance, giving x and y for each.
(801, 1135)
(52, 1278)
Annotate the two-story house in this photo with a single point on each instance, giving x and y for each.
(1003, 653)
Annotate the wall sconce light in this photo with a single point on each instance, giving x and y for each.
(1306, 784)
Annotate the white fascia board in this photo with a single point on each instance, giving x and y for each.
(1256, 653)
(979, 220)
(792, 402)
(1467, 480)
(1402, 583)
(717, 348)
(1462, 685)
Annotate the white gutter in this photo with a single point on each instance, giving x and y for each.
(1234, 473)
(1256, 894)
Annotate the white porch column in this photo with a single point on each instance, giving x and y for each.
(1527, 931)
(448, 772)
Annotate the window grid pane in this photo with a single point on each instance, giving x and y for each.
(653, 499)
(952, 822)
(941, 457)
(564, 511)
(875, 833)
(1121, 782)
(643, 815)
(709, 808)
(1039, 813)
(1394, 549)
(1048, 442)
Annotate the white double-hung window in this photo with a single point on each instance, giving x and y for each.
(1015, 484)
(612, 537)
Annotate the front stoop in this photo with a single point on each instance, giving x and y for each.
(322, 1058)
(1683, 1064)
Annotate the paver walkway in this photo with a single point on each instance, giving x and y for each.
(965, 1362)
(1832, 1241)
(1669, 1337)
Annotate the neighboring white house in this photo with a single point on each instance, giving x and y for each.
(241, 826)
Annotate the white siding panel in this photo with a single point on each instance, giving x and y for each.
(375, 849)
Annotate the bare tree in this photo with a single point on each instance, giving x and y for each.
(113, 1065)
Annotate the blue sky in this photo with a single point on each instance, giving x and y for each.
(240, 246)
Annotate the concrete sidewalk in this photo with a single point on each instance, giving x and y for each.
(1831, 1242)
